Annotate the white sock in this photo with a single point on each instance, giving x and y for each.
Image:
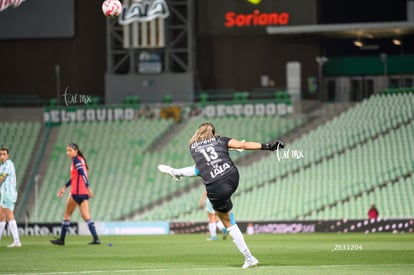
(212, 229)
(238, 239)
(220, 226)
(2, 225)
(186, 171)
(14, 230)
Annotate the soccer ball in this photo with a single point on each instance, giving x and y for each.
(111, 8)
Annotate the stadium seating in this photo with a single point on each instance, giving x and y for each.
(116, 153)
(398, 90)
(338, 170)
(351, 156)
(123, 170)
(254, 128)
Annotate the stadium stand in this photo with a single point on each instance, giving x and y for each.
(250, 128)
(347, 164)
(116, 152)
(123, 170)
(335, 171)
(399, 90)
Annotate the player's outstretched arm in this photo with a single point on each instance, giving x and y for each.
(251, 145)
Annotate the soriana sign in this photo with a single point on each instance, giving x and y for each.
(235, 17)
(256, 18)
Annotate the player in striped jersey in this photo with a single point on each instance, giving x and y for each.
(79, 194)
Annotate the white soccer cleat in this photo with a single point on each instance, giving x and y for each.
(251, 262)
(168, 170)
(14, 244)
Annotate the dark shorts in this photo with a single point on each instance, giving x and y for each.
(80, 198)
(219, 192)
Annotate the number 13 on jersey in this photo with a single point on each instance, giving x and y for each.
(209, 153)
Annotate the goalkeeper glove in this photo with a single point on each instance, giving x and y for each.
(273, 146)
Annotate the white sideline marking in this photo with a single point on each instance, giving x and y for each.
(210, 269)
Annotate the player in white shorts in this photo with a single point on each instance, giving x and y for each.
(8, 196)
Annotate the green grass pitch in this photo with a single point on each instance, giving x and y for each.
(332, 253)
